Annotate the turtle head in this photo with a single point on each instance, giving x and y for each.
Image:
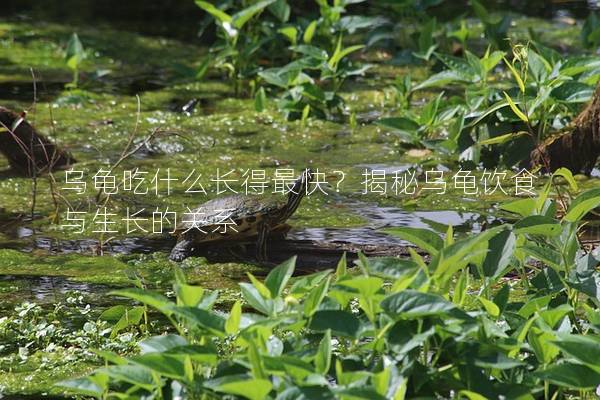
(297, 192)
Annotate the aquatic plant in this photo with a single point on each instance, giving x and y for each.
(492, 122)
(311, 83)
(456, 323)
(74, 56)
(242, 37)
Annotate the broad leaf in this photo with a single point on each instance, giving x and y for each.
(414, 304)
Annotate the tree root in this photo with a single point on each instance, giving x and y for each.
(28, 152)
(576, 148)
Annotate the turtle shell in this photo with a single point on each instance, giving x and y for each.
(246, 212)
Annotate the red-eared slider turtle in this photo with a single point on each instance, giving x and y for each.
(249, 217)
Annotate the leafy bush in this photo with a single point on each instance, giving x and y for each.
(302, 95)
(453, 323)
(544, 92)
(242, 38)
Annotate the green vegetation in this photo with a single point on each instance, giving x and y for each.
(498, 298)
(391, 329)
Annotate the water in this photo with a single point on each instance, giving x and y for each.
(384, 217)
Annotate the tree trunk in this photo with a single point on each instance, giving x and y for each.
(576, 148)
(27, 151)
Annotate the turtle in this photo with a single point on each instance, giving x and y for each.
(251, 218)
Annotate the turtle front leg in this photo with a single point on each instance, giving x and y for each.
(261, 242)
(182, 250)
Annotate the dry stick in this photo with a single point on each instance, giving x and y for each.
(34, 164)
(51, 179)
(127, 152)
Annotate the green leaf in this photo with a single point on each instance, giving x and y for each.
(214, 11)
(453, 257)
(260, 287)
(290, 32)
(570, 375)
(490, 307)
(323, 356)
(533, 305)
(205, 354)
(358, 393)
(281, 10)
(166, 365)
(86, 386)
(135, 374)
(465, 70)
(340, 53)
(240, 385)
(240, 18)
(440, 79)
(552, 316)
(315, 297)
(232, 325)
(147, 297)
(516, 109)
(497, 360)
(414, 304)
(460, 289)
(490, 61)
(585, 349)
(572, 92)
(492, 109)
(399, 124)
(500, 251)
(546, 255)
(516, 75)
(403, 127)
(425, 239)
(471, 395)
(260, 100)
(131, 316)
(367, 286)
(113, 314)
(75, 53)
(309, 32)
(292, 367)
(342, 267)
(204, 319)
(392, 267)
(159, 344)
(188, 295)
(341, 323)
(254, 299)
(539, 340)
(501, 139)
(538, 225)
(583, 204)
(523, 207)
(568, 176)
(278, 278)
